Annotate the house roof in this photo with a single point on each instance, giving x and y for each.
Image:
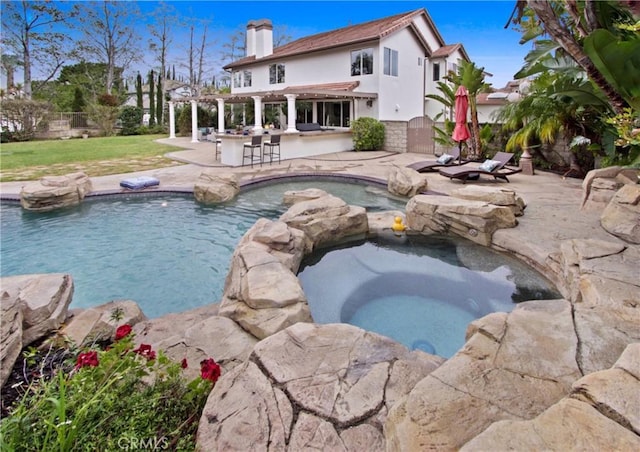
(353, 34)
(448, 50)
(495, 98)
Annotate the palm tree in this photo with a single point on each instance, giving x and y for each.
(471, 77)
(557, 105)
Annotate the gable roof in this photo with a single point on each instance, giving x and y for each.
(449, 49)
(353, 34)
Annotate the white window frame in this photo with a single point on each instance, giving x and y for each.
(278, 76)
(357, 56)
(246, 79)
(390, 66)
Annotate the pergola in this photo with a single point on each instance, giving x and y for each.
(328, 91)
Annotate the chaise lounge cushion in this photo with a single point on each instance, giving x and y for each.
(444, 159)
(489, 165)
(138, 183)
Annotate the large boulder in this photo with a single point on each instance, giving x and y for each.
(99, 323)
(215, 188)
(601, 413)
(214, 337)
(43, 299)
(403, 181)
(10, 334)
(474, 220)
(292, 197)
(262, 293)
(621, 217)
(326, 219)
(55, 192)
(493, 195)
(513, 366)
(325, 387)
(600, 185)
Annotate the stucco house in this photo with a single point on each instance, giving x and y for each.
(381, 69)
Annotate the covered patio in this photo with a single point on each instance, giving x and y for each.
(325, 110)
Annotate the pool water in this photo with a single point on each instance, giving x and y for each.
(167, 253)
(419, 290)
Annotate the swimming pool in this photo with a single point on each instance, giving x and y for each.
(419, 290)
(167, 253)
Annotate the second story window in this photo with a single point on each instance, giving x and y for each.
(436, 72)
(237, 79)
(390, 62)
(247, 78)
(276, 73)
(362, 62)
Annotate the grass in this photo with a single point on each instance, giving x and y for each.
(96, 157)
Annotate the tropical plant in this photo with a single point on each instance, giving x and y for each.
(556, 105)
(598, 41)
(367, 133)
(570, 23)
(110, 398)
(471, 77)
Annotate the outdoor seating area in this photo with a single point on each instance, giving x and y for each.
(450, 158)
(496, 167)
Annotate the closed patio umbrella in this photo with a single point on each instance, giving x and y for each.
(461, 132)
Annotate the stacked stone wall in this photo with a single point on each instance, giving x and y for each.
(395, 139)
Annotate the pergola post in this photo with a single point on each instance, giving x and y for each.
(194, 121)
(172, 120)
(291, 113)
(257, 102)
(220, 115)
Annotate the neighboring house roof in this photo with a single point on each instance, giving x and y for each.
(353, 34)
(497, 98)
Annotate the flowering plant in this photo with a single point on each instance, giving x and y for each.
(84, 403)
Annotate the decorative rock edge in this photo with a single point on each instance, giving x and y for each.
(55, 192)
(509, 370)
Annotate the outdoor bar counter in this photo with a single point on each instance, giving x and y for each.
(292, 145)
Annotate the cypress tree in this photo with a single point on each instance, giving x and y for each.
(174, 72)
(159, 99)
(152, 101)
(139, 103)
(168, 73)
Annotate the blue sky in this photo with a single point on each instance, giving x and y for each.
(478, 25)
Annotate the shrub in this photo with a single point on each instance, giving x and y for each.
(368, 134)
(111, 398)
(130, 118)
(205, 119)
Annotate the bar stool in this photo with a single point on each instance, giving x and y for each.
(218, 147)
(272, 148)
(253, 150)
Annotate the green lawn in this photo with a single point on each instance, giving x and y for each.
(95, 156)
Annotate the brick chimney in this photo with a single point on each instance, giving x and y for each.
(259, 38)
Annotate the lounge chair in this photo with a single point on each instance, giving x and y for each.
(496, 167)
(452, 158)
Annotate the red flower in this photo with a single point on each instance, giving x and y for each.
(87, 359)
(184, 363)
(145, 350)
(122, 331)
(209, 370)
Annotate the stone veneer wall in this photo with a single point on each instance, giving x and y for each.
(395, 139)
